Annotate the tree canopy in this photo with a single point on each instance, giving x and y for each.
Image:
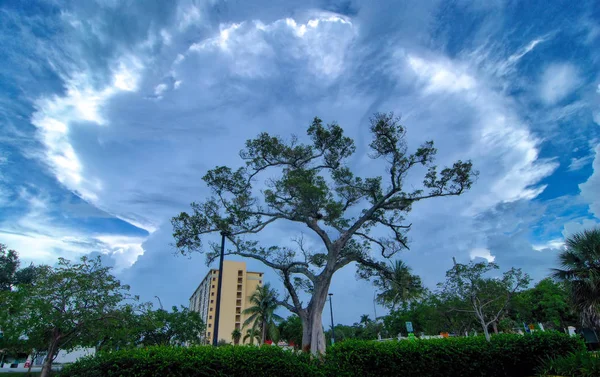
(312, 184)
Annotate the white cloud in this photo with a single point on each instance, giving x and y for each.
(573, 227)
(557, 82)
(160, 88)
(590, 190)
(557, 243)
(482, 253)
(441, 76)
(579, 163)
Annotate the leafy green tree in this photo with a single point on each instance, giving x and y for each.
(400, 286)
(290, 330)
(236, 335)
(261, 312)
(580, 269)
(312, 185)
(548, 302)
(177, 327)
(9, 263)
(64, 303)
(485, 297)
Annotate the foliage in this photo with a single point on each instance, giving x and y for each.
(548, 302)
(506, 355)
(290, 330)
(10, 273)
(486, 297)
(195, 362)
(236, 335)
(63, 305)
(177, 327)
(400, 286)
(311, 185)
(580, 262)
(252, 334)
(261, 312)
(577, 364)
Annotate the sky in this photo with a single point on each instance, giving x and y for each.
(112, 111)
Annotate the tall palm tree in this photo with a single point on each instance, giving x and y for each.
(580, 262)
(399, 285)
(262, 311)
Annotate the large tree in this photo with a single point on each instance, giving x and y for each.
(484, 296)
(580, 269)
(312, 184)
(64, 304)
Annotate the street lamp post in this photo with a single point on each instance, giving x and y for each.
(331, 311)
(219, 285)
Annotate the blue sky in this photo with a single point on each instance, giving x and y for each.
(111, 112)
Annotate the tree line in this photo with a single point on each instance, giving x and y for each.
(45, 309)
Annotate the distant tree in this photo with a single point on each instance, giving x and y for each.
(364, 319)
(399, 286)
(312, 185)
(9, 263)
(236, 335)
(290, 330)
(177, 327)
(487, 298)
(580, 269)
(64, 303)
(548, 302)
(261, 312)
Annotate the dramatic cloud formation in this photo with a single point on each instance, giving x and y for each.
(112, 112)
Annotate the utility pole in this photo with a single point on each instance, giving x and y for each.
(331, 310)
(219, 286)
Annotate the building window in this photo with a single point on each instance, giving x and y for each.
(240, 273)
(260, 282)
(210, 317)
(211, 309)
(212, 301)
(210, 325)
(212, 294)
(214, 279)
(213, 286)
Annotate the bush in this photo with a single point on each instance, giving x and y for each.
(195, 362)
(506, 355)
(579, 364)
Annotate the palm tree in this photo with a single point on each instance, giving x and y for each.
(399, 285)
(252, 334)
(236, 335)
(580, 262)
(364, 319)
(262, 311)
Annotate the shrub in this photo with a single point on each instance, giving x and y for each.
(195, 362)
(505, 355)
(578, 364)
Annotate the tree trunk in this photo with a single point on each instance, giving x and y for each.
(264, 332)
(313, 338)
(52, 349)
(495, 327)
(485, 331)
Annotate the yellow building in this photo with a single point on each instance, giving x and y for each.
(238, 286)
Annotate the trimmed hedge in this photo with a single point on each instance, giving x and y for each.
(506, 355)
(197, 361)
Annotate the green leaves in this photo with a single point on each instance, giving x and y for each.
(580, 263)
(505, 356)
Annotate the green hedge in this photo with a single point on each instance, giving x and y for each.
(195, 362)
(579, 364)
(506, 355)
